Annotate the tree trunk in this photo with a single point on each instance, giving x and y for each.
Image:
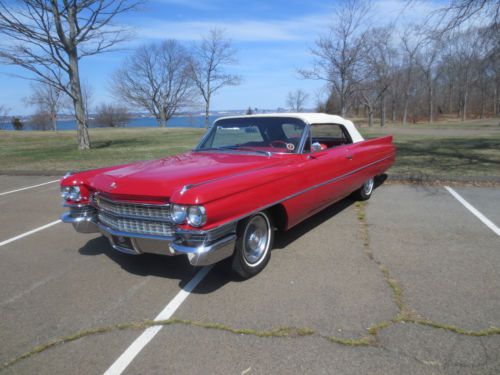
(53, 119)
(482, 102)
(393, 110)
(382, 111)
(431, 104)
(207, 112)
(405, 111)
(495, 101)
(76, 92)
(161, 119)
(450, 100)
(369, 108)
(343, 96)
(464, 104)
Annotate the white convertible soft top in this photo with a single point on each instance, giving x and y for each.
(314, 118)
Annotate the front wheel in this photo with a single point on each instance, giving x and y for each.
(253, 245)
(365, 192)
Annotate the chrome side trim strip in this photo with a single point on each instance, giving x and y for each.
(304, 191)
(333, 180)
(224, 177)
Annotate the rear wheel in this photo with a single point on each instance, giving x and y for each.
(253, 245)
(365, 192)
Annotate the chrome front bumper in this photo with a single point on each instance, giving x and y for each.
(199, 254)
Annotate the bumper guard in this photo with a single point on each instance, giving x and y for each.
(135, 244)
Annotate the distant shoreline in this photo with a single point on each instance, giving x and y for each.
(136, 122)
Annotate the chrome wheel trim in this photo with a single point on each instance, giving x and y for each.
(256, 240)
(368, 186)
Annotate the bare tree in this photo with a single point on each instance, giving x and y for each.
(208, 64)
(46, 37)
(296, 100)
(41, 120)
(339, 54)
(47, 99)
(458, 12)
(410, 47)
(4, 119)
(157, 77)
(427, 60)
(111, 115)
(380, 69)
(466, 47)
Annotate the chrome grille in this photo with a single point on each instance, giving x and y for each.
(128, 217)
(130, 225)
(137, 210)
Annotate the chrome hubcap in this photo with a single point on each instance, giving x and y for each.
(256, 239)
(368, 186)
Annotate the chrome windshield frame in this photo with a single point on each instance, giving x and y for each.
(212, 128)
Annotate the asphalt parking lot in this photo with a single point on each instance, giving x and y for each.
(405, 283)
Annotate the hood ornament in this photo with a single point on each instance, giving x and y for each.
(113, 185)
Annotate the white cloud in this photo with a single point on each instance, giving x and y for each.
(303, 28)
(399, 13)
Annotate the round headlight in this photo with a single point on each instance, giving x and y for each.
(65, 192)
(74, 194)
(196, 216)
(178, 213)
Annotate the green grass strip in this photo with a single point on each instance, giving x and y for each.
(277, 332)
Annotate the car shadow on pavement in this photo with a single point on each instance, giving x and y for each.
(178, 267)
(170, 267)
(283, 239)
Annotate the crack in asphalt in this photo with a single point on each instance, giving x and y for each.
(405, 314)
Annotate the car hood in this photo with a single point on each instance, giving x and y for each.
(161, 178)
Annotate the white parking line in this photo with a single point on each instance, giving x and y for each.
(3, 243)
(28, 187)
(476, 213)
(135, 348)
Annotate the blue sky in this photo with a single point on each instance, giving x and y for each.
(272, 39)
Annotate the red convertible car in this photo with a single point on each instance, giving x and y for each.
(248, 176)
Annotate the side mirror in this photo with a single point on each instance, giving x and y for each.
(316, 146)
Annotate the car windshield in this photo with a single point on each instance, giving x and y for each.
(254, 134)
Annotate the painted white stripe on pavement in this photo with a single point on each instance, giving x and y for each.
(135, 348)
(475, 212)
(29, 233)
(28, 187)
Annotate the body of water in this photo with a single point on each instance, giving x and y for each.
(174, 122)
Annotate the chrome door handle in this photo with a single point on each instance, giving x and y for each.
(349, 157)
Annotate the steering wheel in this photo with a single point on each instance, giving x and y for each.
(278, 143)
